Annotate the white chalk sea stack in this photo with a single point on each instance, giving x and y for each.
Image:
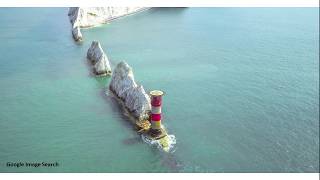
(99, 59)
(134, 96)
(76, 33)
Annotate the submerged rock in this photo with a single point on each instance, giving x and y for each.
(134, 96)
(98, 58)
(76, 33)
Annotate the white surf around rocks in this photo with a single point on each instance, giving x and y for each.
(84, 17)
(99, 59)
(153, 142)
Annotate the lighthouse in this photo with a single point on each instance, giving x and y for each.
(156, 100)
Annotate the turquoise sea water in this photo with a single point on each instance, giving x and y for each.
(241, 84)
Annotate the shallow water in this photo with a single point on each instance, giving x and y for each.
(241, 90)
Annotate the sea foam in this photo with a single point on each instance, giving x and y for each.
(172, 141)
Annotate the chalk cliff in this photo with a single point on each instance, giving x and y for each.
(99, 59)
(92, 16)
(134, 96)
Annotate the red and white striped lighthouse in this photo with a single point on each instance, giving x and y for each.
(156, 100)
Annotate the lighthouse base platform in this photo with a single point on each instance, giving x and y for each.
(144, 127)
(161, 135)
(162, 138)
